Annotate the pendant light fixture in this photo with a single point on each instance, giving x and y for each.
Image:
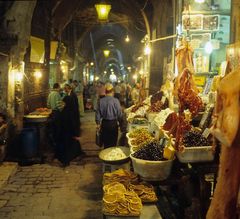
(103, 10)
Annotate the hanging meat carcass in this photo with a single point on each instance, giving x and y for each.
(184, 56)
(184, 59)
(187, 96)
(185, 89)
(226, 130)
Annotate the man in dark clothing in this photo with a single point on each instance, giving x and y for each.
(108, 114)
(54, 102)
(69, 146)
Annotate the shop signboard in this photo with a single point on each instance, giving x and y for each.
(211, 22)
(192, 22)
(200, 39)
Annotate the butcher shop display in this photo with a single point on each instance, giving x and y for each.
(187, 93)
(226, 130)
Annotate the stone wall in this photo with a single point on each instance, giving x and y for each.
(36, 90)
(16, 25)
(162, 25)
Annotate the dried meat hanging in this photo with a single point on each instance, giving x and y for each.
(185, 88)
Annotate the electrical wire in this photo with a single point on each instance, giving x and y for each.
(145, 5)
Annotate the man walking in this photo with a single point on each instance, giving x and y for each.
(108, 115)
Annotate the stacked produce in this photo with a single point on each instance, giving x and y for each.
(144, 191)
(158, 102)
(41, 111)
(194, 138)
(123, 176)
(152, 151)
(120, 202)
(139, 138)
(137, 132)
(131, 182)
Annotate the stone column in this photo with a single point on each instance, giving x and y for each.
(18, 22)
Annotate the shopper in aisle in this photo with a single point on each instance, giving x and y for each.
(68, 145)
(135, 93)
(108, 115)
(55, 103)
(78, 89)
(117, 91)
(128, 95)
(101, 91)
(123, 93)
(93, 95)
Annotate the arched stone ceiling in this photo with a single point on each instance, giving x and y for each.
(126, 17)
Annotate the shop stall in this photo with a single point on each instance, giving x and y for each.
(172, 133)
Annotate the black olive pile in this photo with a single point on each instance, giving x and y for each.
(195, 138)
(152, 151)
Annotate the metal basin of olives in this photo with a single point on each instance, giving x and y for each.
(152, 170)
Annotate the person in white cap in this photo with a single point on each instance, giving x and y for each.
(108, 116)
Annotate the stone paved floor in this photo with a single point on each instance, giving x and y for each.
(46, 191)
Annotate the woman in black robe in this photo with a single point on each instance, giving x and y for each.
(69, 146)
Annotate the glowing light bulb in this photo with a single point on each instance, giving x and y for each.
(37, 74)
(147, 50)
(208, 48)
(127, 39)
(200, 1)
(135, 76)
(18, 76)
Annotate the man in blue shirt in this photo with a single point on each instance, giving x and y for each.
(108, 114)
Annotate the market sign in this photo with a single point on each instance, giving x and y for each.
(37, 50)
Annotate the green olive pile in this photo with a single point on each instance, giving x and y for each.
(194, 138)
(152, 151)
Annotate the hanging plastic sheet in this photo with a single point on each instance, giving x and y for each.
(37, 50)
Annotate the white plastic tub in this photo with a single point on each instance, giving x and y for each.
(196, 154)
(152, 170)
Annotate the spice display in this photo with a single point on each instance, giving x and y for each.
(117, 201)
(144, 191)
(142, 139)
(194, 138)
(152, 151)
(137, 132)
(123, 176)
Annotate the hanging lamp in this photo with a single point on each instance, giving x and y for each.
(103, 10)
